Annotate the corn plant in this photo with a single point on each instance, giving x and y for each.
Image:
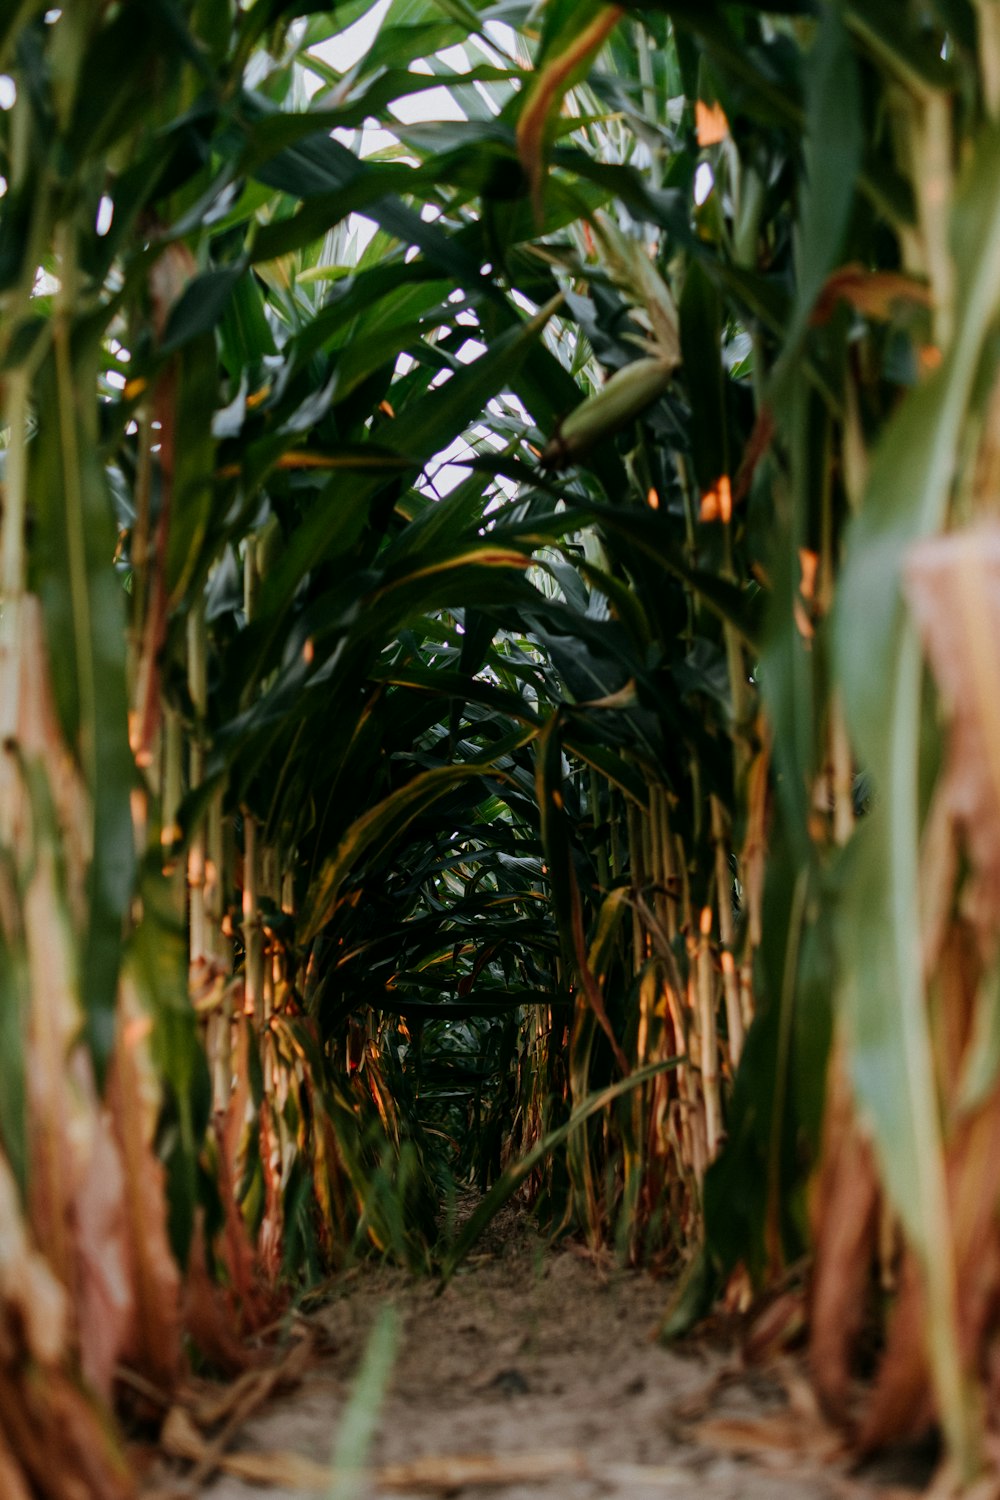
(584, 821)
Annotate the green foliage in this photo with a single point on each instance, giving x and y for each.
(507, 800)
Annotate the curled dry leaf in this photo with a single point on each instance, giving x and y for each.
(953, 586)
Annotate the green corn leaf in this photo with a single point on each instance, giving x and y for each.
(385, 821)
(879, 661)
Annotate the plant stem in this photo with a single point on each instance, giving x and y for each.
(727, 936)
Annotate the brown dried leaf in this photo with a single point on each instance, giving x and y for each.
(778, 1327)
(433, 1474)
(953, 586)
(902, 1403)
(958, 979)
(13, 1484)
(874, 294)
(844, 1213)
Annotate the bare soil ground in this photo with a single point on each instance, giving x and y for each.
(534, 1376)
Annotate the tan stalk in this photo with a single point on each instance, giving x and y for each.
(216, 885)
(173, 782)
(708, 1036)
(635, 820)
(747, 1005)
(614, 826)
(727, 935)
(253, 937)
(687, 1089)
(933, 143)
(250, 577)
(198, 932)
(669, 848)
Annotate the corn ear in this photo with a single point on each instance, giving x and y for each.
(621, 399)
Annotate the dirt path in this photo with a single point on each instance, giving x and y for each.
(540, 1365)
